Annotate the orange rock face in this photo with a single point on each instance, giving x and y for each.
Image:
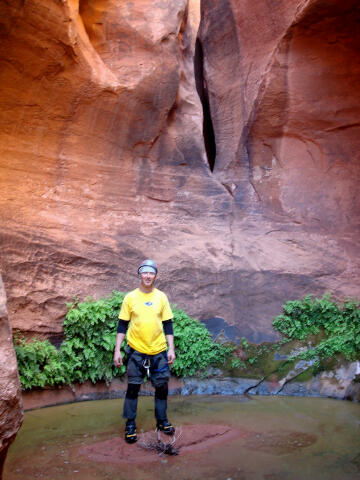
(11, 413)
(106, 159)
(281, 81)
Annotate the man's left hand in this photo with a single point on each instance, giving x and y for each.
(171, 356)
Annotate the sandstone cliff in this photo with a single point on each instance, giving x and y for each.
(107, 158)
(11, 413)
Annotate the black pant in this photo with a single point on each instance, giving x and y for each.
(131, 401)
(158, 370)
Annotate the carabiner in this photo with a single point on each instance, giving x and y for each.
(146, 365)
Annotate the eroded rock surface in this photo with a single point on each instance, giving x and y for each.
(104, 162)
(282, 80)
(11, 413)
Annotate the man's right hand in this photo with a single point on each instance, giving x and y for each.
(118, 359)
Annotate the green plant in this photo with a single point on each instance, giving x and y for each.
(244, 343)
(39, 364)
(337, 323)
(236, 362)
(195, 349)
(90, 334)
(87, 350)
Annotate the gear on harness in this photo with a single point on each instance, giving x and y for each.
(146, 364)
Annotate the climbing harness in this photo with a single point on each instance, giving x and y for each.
(147, 366)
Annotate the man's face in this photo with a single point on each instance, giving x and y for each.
(147, 278)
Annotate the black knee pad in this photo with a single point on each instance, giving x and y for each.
(132, 390)
(161, 391)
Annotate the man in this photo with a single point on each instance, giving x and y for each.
(147, 313)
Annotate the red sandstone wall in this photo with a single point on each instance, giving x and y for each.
(11, 412)
(103, 159)
(287, 140)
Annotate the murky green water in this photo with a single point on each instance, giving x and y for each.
(287, 439)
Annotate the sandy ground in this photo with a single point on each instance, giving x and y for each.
(190, 438)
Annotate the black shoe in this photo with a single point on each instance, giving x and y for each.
(130, 432)
(165, 426)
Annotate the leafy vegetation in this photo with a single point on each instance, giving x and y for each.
(39, 364)
(90, 334)
(336, 324)
(319, 329)
(195, 349)
(87, 350)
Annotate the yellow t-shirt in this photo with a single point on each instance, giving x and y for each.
(146, 312)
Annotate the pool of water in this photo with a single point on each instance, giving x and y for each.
(282, 438)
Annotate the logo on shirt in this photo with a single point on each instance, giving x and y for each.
(148, 304)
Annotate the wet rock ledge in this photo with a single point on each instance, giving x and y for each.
(338, 385)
